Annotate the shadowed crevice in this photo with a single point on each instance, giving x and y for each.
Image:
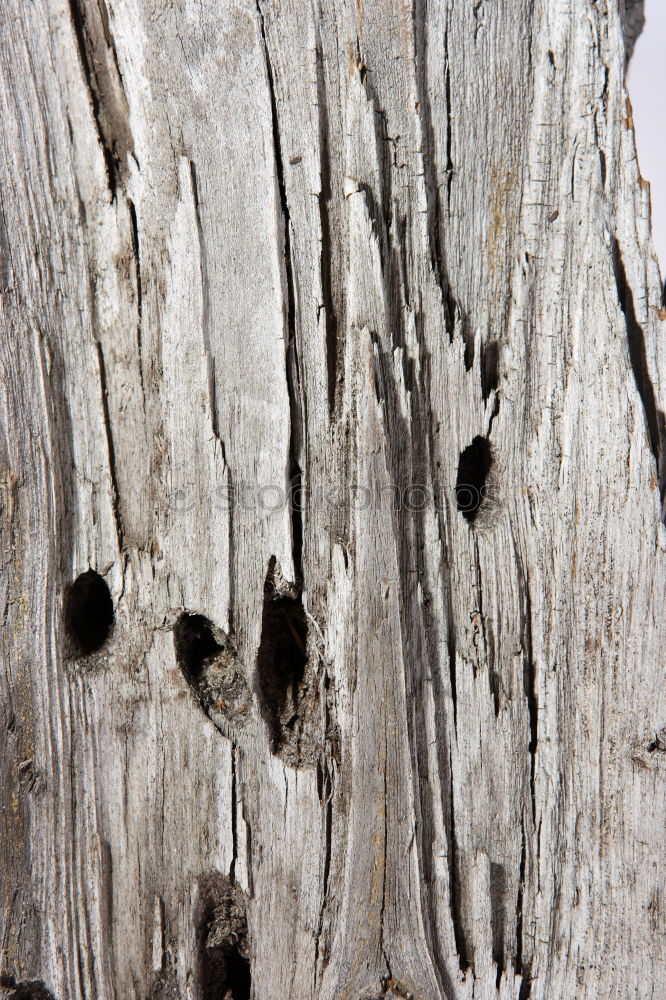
(326, 260)
(497, 915)
(455, 900)
(655, 418)
(489, 367)
(474, 466)
(298, 419)
(99, 61)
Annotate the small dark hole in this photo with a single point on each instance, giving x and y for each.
(473, 467)
(194, 641)
(282, 656)
(88, 612)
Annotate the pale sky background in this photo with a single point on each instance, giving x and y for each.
(647, 89)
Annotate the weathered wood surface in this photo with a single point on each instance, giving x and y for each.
(328, 245)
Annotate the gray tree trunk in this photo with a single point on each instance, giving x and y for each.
(333, 379)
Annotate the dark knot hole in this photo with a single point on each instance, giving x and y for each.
(195, 642)
(471, 485)
(88, 612)
(282, 654)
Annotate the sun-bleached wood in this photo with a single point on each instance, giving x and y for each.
(256, 249)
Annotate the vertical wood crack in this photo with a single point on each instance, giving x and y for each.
(103, 79)
(325, 223)
(292, 370)
(655, 419)
(110, 447)
(136, 251)
(206, 318)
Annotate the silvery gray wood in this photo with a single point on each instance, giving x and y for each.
(267, 244)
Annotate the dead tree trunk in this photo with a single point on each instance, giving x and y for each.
(333, 391)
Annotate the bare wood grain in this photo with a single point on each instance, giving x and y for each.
(262, 252)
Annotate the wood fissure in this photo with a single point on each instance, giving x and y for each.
(99, 61)
(655, 418)
(206, 317)
(108, 429)
(326, 257)
(455, 891)
(297, 441)
(136, 252)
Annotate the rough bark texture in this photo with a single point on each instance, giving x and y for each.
(365, 745)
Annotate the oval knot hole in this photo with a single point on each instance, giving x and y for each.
(195, 643)
(282, 655)
(473, 467)
(88, 612)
